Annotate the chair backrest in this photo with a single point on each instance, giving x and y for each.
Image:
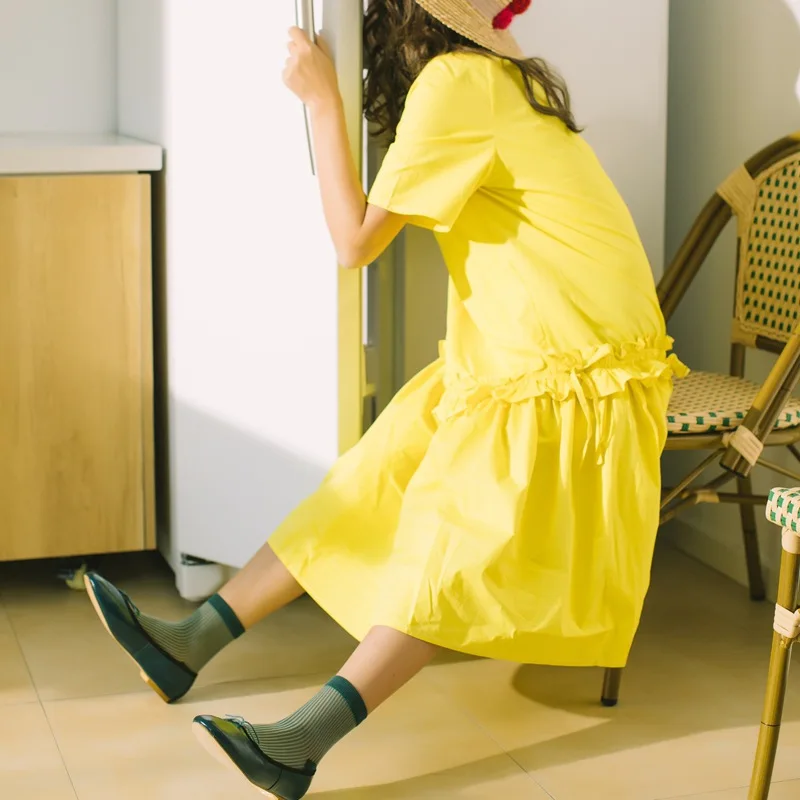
(767, 207)
(764, 196)
(766, 203)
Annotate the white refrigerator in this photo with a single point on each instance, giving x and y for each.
(271, 361)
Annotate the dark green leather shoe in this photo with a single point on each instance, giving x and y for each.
(228, 741)
(159, 670)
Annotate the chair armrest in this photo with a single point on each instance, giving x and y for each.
(768, 404)
(692, 254)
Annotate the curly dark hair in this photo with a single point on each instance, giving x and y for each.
(400, 38)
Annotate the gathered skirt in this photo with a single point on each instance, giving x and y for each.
(520, 530)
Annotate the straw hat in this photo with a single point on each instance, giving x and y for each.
(485, 22)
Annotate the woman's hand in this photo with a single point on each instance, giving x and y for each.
(310, 72)
(360, 233)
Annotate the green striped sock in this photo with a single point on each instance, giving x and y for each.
(308, 734)
(195, 640)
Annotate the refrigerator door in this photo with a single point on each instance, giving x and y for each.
(261, 332)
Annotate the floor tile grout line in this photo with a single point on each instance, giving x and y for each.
(484, 730)
(22, 653)
(39, 700)
(60, 752)
(709, 793)
(144, 692)
(434, 685)
(524, 771)
(712, 792)
(488, 734)
(695, 794)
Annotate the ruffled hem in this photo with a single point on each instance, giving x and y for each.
(588, 374)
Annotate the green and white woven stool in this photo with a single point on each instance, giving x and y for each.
(783, 508)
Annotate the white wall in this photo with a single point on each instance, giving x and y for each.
(613, 56)
(57, 66)
(733, 69)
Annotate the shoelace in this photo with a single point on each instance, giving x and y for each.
(242, 723)
(128, 602)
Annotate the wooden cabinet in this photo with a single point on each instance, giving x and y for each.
(76, 374)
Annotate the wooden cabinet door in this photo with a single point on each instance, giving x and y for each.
(76, 439)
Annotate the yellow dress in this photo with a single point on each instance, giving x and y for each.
(506, 503)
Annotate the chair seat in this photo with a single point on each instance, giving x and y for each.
(705, 402)
(783, 508)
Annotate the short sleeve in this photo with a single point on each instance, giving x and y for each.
(444, 149)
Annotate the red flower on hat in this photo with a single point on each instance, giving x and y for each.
(503, 20)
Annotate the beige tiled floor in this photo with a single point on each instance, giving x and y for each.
(78, 723)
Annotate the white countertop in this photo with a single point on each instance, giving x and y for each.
(55, 154)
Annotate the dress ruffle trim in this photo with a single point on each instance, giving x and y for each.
(588, 374)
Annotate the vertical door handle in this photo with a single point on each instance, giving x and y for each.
(304, 15)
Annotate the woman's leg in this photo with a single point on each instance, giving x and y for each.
(383, 663)
(171, 654)
(261, 588)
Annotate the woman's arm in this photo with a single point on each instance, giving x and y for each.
(360, 232)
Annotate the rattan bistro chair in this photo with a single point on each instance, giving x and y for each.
(783, 509)
(730, 418)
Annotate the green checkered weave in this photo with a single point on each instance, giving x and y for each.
(769, 291)
(783, 508)
(705, 402)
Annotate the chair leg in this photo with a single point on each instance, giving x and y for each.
(755, 574)
(611, 684)
(776, 686)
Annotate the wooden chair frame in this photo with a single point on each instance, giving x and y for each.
(737, 453)
(785, 635)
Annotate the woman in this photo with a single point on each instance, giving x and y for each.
(506, 503)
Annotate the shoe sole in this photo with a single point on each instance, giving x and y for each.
(142, 674)
(213, 748)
